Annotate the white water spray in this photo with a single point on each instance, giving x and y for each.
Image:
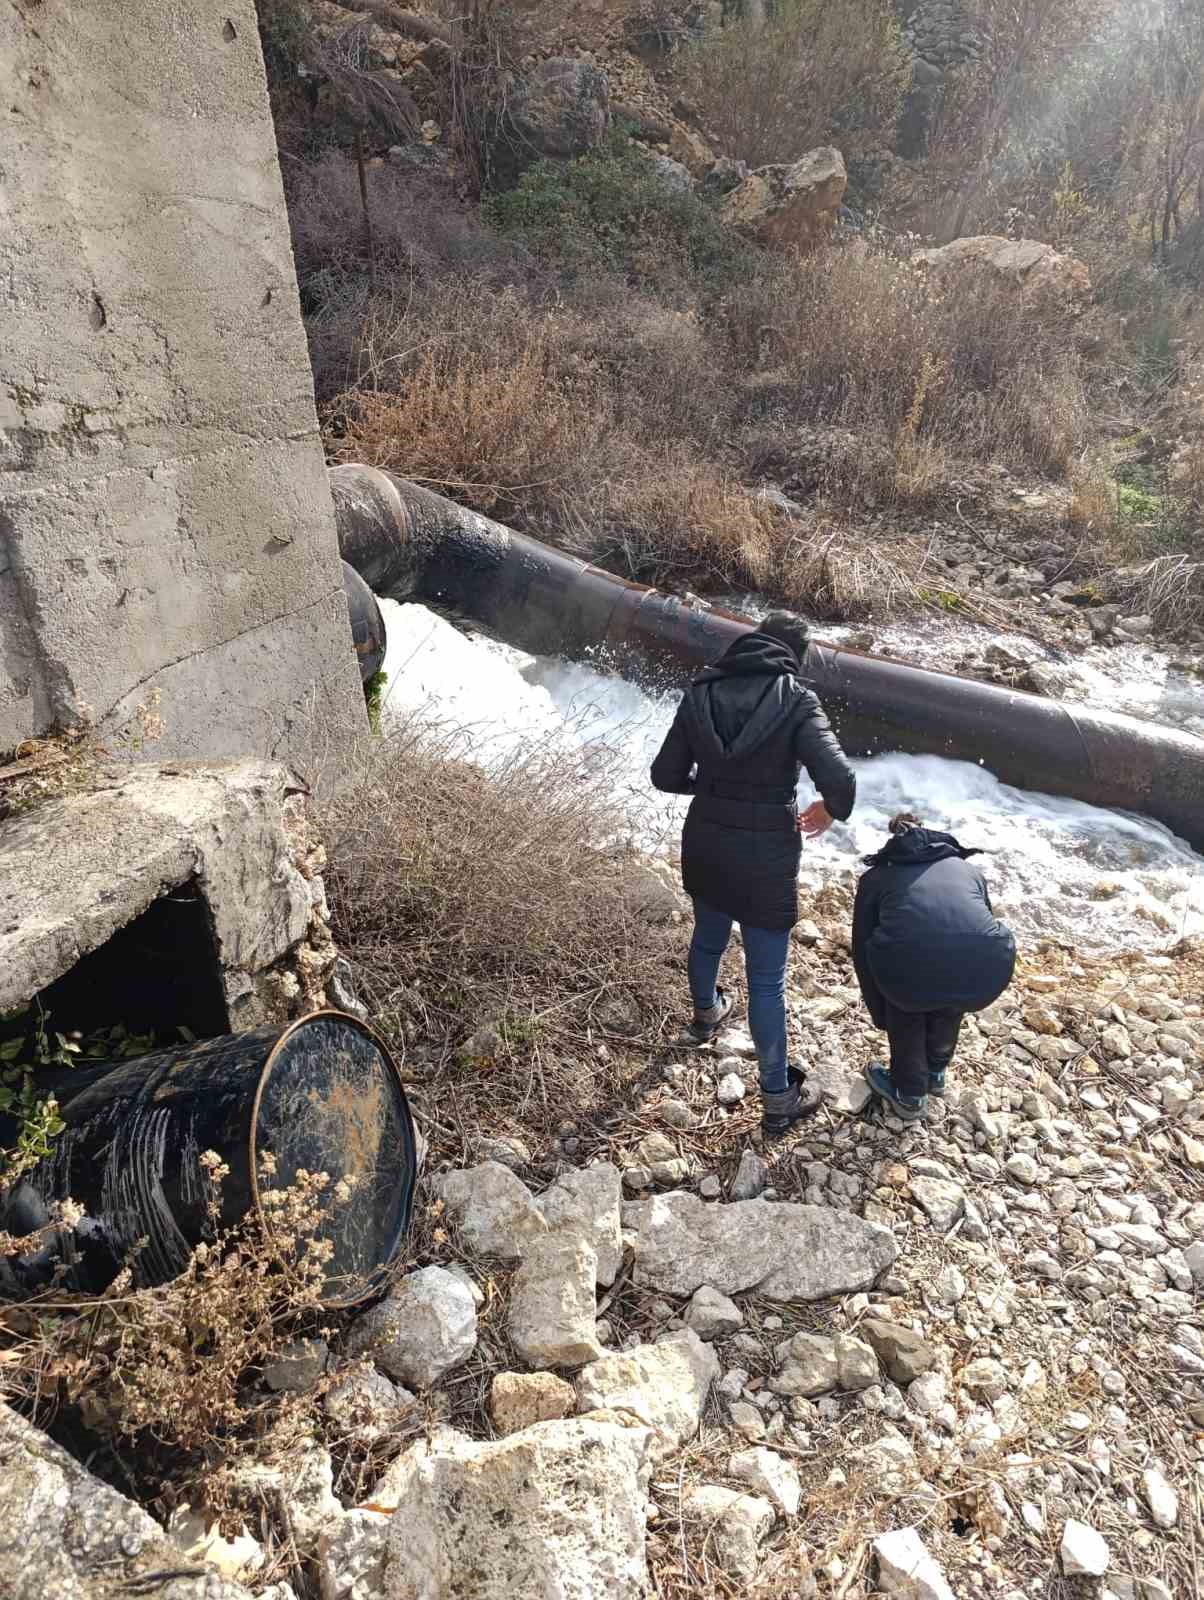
(1058, 868)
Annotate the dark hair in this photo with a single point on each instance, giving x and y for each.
(903, 820)
(788, 628)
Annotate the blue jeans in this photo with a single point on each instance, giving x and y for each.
(765, 956)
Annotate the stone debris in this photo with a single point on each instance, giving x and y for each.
(555, 1510)
(735, 1525)
(586, 1202)
(903, 1352)
(298, 1368)
(713, 1315)
(769, 1475)
(906, 1569)
(1161, 1498)
(785, 1252)
(1084, 1552)
(427, 1326)
(752, 1176)
(200, 1539)
(518, 1400)
(494, 1210)
(942, 1201)
(553, 1309)
(811, 1366)
(731, 1089)
(664, 1386)
(367, 1407)
(304, 1481)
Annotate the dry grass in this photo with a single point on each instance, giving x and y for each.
(488, 431)
(467, 899)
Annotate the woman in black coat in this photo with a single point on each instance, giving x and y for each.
(744, 729)
(927, 948)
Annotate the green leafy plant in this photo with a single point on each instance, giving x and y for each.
(36, 1116)
(613, 210)
(374, 693)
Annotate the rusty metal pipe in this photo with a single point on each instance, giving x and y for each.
(408, 542)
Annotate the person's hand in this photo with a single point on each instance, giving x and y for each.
(815, 820)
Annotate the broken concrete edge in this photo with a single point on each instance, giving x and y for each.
(64, 1533)
(79, 868)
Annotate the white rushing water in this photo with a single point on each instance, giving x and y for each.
(1058, 868)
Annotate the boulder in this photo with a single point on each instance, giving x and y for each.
(561, 109)
(785, 1252)
(1031, 268)
(427, 1326)
(586, 1201)
(553, 1308)
(735, 1523)
(65, 1535)
(906, 1569)
(494, 1210)
(691, 150)
(553, 1511)
(518, 1400)
(351, 1556)
(791, 206)
(298, 1367)
(665, 1385)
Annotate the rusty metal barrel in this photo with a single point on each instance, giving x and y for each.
(322, 1095)
(409, 542)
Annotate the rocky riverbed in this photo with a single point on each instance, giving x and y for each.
(962, 1358)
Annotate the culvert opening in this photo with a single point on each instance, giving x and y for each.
(158, 974)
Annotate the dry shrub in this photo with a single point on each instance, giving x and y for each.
(922, 376)
(678, 519)
(167, 1367)
(839, 576)
(487, 427)
(489, 895)
(773, 86)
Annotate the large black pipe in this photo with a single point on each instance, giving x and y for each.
(408, 542)
(367, 624)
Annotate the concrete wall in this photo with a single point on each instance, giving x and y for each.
(165, 522)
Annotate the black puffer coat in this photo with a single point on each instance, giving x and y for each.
(924, 934)
(744, 729)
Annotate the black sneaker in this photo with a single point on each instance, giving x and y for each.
(706, 1024)
(908, 1108)
(781, 1111)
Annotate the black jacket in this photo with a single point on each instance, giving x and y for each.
(743, 730)
(924, 934)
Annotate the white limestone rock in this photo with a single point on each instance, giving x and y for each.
(425, 1328)
(785, 1252)
(664, 1386)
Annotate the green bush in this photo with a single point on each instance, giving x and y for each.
(612, 211)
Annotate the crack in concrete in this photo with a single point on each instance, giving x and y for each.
(214, 646)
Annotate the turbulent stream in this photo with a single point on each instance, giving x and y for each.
(1059, 869)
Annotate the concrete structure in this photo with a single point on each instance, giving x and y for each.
(232, 841)
(165, 524)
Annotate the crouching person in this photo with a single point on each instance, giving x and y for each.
(927, 948)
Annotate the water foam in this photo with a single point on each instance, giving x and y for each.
(1058, 868)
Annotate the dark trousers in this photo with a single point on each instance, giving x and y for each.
(920, 1042)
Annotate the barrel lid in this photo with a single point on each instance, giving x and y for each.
(330, 1099)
